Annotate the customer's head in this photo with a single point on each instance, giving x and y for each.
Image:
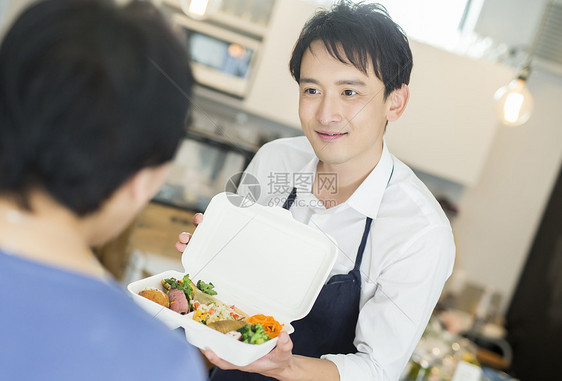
(363, 35)
(90, 94)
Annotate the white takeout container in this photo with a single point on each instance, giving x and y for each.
(259, 259)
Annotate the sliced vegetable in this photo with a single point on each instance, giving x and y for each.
(270, 325)
(207, 288)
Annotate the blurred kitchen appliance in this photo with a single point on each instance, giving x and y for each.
(246, 16)
(222, 59)
(202, 167)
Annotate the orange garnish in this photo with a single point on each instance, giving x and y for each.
(270, 325)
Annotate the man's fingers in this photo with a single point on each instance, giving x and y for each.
(283, 340)
(216, 360)
(180, 247)
(197, 218)
(284, 345)
(184, 237)
(210, 355)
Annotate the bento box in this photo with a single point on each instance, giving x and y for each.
(259, 259)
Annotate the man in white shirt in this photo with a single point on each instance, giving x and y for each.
(353, 65)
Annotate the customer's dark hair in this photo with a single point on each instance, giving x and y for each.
(364, 33)
(90, 93)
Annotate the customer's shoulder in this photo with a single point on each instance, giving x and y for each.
(129, 329)
(91, 322)
(128, 326)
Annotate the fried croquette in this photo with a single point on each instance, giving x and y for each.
(156, 296)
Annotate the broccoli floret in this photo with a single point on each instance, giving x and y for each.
(253, 334)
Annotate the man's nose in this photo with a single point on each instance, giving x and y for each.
(329, 111)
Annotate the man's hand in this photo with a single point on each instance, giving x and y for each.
(281, 364)
(275, 364)
(185, 237)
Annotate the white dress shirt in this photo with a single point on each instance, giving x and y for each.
(408, 257)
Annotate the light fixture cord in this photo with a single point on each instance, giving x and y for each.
(526, 70)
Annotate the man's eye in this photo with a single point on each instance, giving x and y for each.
(349, 93)
(311, 91)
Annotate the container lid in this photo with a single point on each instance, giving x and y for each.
(260, 257)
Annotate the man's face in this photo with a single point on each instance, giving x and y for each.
(341, 109)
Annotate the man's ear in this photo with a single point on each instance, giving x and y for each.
(142, 186)
(398, 100)
(136, 188)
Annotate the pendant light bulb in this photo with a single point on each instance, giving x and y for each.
(514, 103)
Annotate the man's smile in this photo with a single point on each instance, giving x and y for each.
(330, 136)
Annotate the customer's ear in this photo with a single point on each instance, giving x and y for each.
(137, 187)
(397, 101)
(144, 184)
(125, 202)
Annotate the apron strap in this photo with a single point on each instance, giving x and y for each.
(291, 199)
(359, 257)
(368, 221)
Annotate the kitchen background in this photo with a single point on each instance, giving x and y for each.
(494, 181)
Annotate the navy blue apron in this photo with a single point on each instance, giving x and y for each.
(330, 325)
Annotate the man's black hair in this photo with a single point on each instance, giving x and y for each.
(360, 34)
(90, 93)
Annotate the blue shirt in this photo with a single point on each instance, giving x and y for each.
(60, 325)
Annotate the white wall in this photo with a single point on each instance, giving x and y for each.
(512, 22)
(449, 125)
(499, 216)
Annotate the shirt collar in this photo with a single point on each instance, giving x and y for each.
(306, 175)
(367, 198)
